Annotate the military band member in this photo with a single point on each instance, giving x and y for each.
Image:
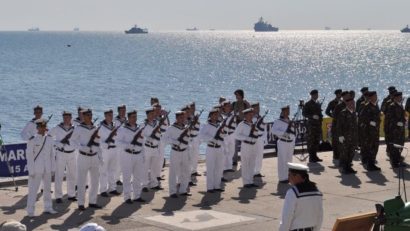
(130, 142)
(369, 118)
(303, 206)
(238, 107)
(336, 111)
(66, 158)
(246, 132)
(285, 131)
(312, 111)
(195, 142)
(212, 133)
(110, 155)
(395, 119)
(86, 139)
(40, 164)
(260, 142)
(161, 113)
(79, 119)
(121, 118)
(229, 140)
(347, 135)
(31, 128)
(177, 136)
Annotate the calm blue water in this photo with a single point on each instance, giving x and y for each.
(102, 70)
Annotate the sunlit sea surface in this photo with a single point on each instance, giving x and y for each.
(104, 69)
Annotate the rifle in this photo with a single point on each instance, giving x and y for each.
(66, 139)
(220, 129)
(160, 123)
(49, 118)
(113, 133)
(257, 124)
(91, 142)
(138, 135)
(189, 127)
(260, 121)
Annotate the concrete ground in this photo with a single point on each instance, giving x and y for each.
(235, 209)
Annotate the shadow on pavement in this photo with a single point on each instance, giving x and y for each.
(316, 168)
(350, 180)
(172, 204)
(124, 210)
(208, 200)
(33, 223)
(245, 195)
(376, 178)
(281, 190)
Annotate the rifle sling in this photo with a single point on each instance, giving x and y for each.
(41, 149)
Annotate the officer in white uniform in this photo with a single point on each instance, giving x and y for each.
(152, 136)
(247, 133)
(31, 129)
(285, 144)
(159, 113)
(110, 155)
(86, 139)
(66, 158)
(130, 142)
(302, 209)
(121, 118)
(213, 134)
(229, 140)
(177, 136)
(260, 142)
(40, 164)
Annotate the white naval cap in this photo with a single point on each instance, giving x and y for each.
(12, 225)
(225, 102)
(149, 109)
(178, 113)
(298, 167)
(213, 110)
(40, 121)
(92, 227)
(247, 110)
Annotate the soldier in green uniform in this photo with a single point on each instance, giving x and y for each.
(336, 111)
(395, 117)
(347, 136)
(369, 119)
(312, 111)
(362, 100)
(383, 108)
(329, 112)
(407, 109)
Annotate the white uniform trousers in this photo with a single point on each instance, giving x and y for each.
(33, 187)
(132, 166)
(258, 156)
(87, 165)
(214, 167)
(194, 154)
(118, 168)
(229, 151)
(248, 162)
(108, 170)
(151, 157)
(161, 158)
(67, 162)
(179, 171)
(285, 155)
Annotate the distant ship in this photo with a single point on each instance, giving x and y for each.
(76, 29)
(192, 29)
(34, 29)
(136, 30)
(346, 28)
(405, 30)
(328, 28)
(263, 26)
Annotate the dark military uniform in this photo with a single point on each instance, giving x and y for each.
(313, 112)
(335, 146)
(360, 103)
(407, 109)
(347, 127)
(370, 129)
(395, 119)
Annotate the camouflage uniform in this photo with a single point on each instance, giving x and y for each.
(314, 127)
(347, 127)
(370, 131)
(335, 146)
(395, 118)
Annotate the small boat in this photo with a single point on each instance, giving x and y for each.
(76, 29)
(328, 28)
(136, 30)
(346, 28)
(192, 29)
(263, 26)
(405, 30)
(34, 29)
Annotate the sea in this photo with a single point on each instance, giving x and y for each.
(100, 70)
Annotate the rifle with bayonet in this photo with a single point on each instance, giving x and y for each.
(160, 123)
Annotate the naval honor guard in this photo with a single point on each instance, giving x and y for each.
(31, 128)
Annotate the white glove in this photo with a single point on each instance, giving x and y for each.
(372, 123)
(316, 117)
(341, 139)
(400, 124)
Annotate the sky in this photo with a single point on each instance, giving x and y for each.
(163, 15)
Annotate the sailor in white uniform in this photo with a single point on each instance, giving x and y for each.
(66, 158)
(285, 144)
(260, 142)
(40, 164)
(247, 133)
(195, 142)
(177, 136)
(31, 129)
(130, 142)
(302, 209)
(110, 154)
(229, 140)
(121, 118)
(86, 139)
(160, 113)
(213, 134)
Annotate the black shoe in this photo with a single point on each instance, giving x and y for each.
(196, 174)
(235, 163)
(140, 200)
(224, 180)
(284, 181)
(128, 201)
(372, 167)
(115, 192)
(210, 191)
(72, 199)
(230, 170)
(219, 190)
(315, 160)
(192, 184)
(94, 206)
(174, 196)
(119, 182)
(145, 189)
(186, 194)
(254, 186)
(258, 175)
(348, 171)
(81, 208)
(59, 200)
(160, 179)
(157, 188)
(248, 186)
(104, 194)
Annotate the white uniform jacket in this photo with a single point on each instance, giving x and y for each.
(125, 136)
(208, 133)
(104, 133)
(59, 132)
(40, 154)
(29, 130)
(243, 131)
(279, 129)
(172, 134)
(151, 139)
(80, 138)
